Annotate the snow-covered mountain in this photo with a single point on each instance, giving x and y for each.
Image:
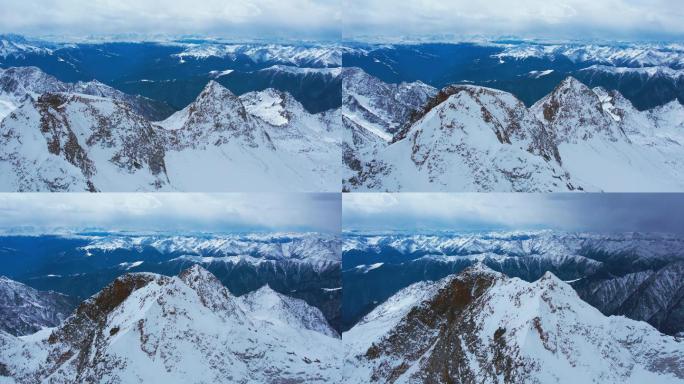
(520, 243)
(73, 142)
(472, 138)
(24, 310)
(18, 46)
(305, 266)
(147, 327)
(259, 141)
(57, 138)
(481, 326)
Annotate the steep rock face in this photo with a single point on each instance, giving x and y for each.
(24, 310)
(216, 117)
(146, 327)
(482, 327)
(66, 142)
(573, 112)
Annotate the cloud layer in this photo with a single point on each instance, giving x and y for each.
(171, 212)
(564, 19)
(492, 211)
(224, 18)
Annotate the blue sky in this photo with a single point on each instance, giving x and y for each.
(171, 212)
(543, 19)
(493, 211)
(309, 19)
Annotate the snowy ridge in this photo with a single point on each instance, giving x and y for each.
(544, 243)
(18, 46)
(644, 55)
(269, 137)
(320, 56)
(656, 71)
(308, 247)
(147, 327)
(481, 326)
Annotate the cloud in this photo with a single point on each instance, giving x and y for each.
(566, 19)
(493, 211)
(171, 212)
(229, 18)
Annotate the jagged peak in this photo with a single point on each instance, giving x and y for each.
(196, 273)
(480, 268)
(215, 88)
(571, 83)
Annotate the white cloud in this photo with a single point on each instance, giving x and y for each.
(574, 19)
(171, 211)
(463, 211)
(252, 18)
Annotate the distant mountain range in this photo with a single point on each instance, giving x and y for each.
(174, 72)
(648, 74)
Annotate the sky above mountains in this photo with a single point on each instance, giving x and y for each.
(159, 212)
(514, 211)
(257, 19)
(541, 19)
(362, 19)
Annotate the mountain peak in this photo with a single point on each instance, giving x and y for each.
(215, 88)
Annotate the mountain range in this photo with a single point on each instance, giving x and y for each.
(637, 275)
(145, 327)
(473, 138)
(174, 71)
(301, 265)
(90, 137)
